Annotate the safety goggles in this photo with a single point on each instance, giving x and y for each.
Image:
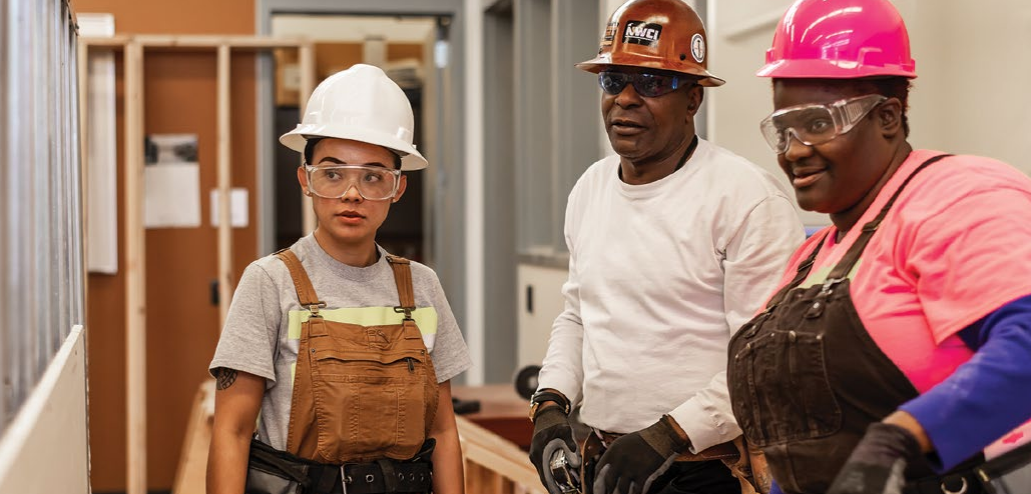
(374, 183)
(816, 124)
(646, 84)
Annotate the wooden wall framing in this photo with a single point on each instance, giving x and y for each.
(134, 49)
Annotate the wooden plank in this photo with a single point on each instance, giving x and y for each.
(193, 461)
(482, 447)
(135, 267)
(216, 41)
(502, 411)
(306, 64)
(195, 41)
(82, 64)
(116, 41)
(225, 228)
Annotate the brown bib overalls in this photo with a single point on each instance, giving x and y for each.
(361, 393)
(806, 378)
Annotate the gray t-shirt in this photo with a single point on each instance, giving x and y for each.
(263, 327)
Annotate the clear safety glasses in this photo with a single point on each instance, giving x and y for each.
(374, 183)
(816, 124)
(646, 84)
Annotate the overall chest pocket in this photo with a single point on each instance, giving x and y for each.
(782, 378)
(370, 403)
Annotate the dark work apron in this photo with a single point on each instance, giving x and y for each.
(806, 378)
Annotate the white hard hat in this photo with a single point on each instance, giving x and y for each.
(362, 104)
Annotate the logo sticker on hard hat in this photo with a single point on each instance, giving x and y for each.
(610, 33)
(698, 47)
(641, 33)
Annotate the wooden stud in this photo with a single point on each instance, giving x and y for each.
(194, 41)
(306, 62)
(133, 193)
(135, 269)
(82, 63)
(225, 228)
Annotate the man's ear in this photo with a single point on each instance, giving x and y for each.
(401, 186)
(694, 100)
(302, 178)
(889, 117)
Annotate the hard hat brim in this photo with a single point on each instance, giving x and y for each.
(411, 159)
(603, 61)
(830, 69)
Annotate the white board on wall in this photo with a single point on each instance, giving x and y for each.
(101, 160)
(102, 164)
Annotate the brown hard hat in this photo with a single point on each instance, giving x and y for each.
(654, 34)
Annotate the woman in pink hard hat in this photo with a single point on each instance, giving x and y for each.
(896, 355)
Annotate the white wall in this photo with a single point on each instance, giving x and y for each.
(44, 450)
(974, 70)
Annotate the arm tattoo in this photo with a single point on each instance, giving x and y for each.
(225, 378)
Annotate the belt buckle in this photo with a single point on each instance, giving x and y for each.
(344, 480)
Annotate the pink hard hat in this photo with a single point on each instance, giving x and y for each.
(839, 39)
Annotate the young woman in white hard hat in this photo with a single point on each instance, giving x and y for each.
(338, 351)
(895, 356)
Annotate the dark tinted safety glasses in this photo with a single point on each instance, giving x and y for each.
(646, 84)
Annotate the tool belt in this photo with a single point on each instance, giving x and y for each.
(720, 451)
(745, 463)
(271, 471)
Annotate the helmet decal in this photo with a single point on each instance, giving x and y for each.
(641, 33)
(662, 35)
(698, 48)
(610, 33)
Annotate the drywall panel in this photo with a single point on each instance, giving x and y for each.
(44, 449)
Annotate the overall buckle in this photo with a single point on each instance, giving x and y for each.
(344, 479)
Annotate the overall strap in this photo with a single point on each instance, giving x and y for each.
(403, 277)
(849, 260)
(302, 284)
(800, 275)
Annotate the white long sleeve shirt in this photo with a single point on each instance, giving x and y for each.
(661, 275)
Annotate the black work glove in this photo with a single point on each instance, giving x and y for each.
(878, 463)
(635, 460)
(551, 432)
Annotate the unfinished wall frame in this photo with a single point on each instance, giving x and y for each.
(134, 49)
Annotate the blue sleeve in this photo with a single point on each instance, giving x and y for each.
(774, 488)
(987, 396)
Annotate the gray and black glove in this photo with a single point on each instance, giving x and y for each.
(878, 463)
(551, 432)
(635, 460)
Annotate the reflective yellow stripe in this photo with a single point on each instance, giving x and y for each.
(425, 318)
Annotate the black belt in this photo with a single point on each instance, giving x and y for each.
(976, 479)
(955, 483)
(384, 476)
